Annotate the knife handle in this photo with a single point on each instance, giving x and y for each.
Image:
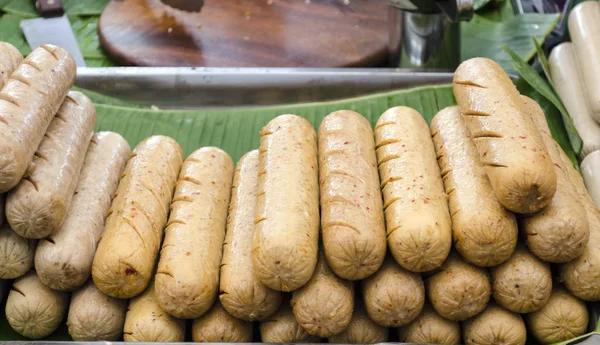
(49, 8)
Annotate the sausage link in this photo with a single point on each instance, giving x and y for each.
(94, 316)
(10, 58)
(39, 203)
(393, 296)
(590, 168)
(430, 328)
(352, 223)
(584, 29)
(194, 235)
(282, 327)
(567, 82)
(361, 330)
(581, 276)
(242, 294)
(16, 253)
(459, 290)
(523, 283)
(127, 252)
(2, 208)
(33, 310)
(510, 147)
(564, 317)
(416, 208)
(64, 260)
(559, 232)
(217, 326)
(286, 232)
(146, 322)
(495, 326)
(28, 102)
(484, 232)
(323, 307)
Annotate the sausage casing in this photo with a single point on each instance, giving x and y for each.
(485, 233)
(415, 205)
(64, 261)
(523, 283)
(567, 82)
(459, 290)
(559, 232)
(510, 147)
(323, 307)
(352, 223)
(282, 327)
(495, 325)
(32, 309)
(581, 276)
(430, 328)
(393, 296)
(584, 29)
(590, 168)
(94, 316)
(38, 205)
(10, 58)
(286, 232)
(146, 322)
(28, 102)
(217, 326)
(361, 330)
(187, 279)
(16, 253)
(126, 255)
(564, 317)
(242, 294)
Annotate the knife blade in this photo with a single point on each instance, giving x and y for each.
(185, 5)
(52, 28)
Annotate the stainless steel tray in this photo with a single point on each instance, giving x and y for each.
(175, 87)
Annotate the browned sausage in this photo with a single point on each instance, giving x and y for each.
(194, 235)
(416, 207)
(323, 307)
(242, 294)
(509, 145)
(286, 231)
(559, 232)
(353, 227)
(126, 255)
(459, 290)
(217, 326)
(484, 232)
(393, 296)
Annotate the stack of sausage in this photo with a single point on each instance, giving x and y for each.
(336, 235)
(575, 73)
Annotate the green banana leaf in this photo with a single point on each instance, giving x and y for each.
(484, 37)
(478, 4)
(8, 23)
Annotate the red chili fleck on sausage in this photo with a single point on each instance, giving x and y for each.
(129, 271)
(522, 137)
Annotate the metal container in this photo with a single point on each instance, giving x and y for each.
(425, 34)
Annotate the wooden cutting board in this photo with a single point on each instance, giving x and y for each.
(247, 33)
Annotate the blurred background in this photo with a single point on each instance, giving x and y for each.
(420, 34)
